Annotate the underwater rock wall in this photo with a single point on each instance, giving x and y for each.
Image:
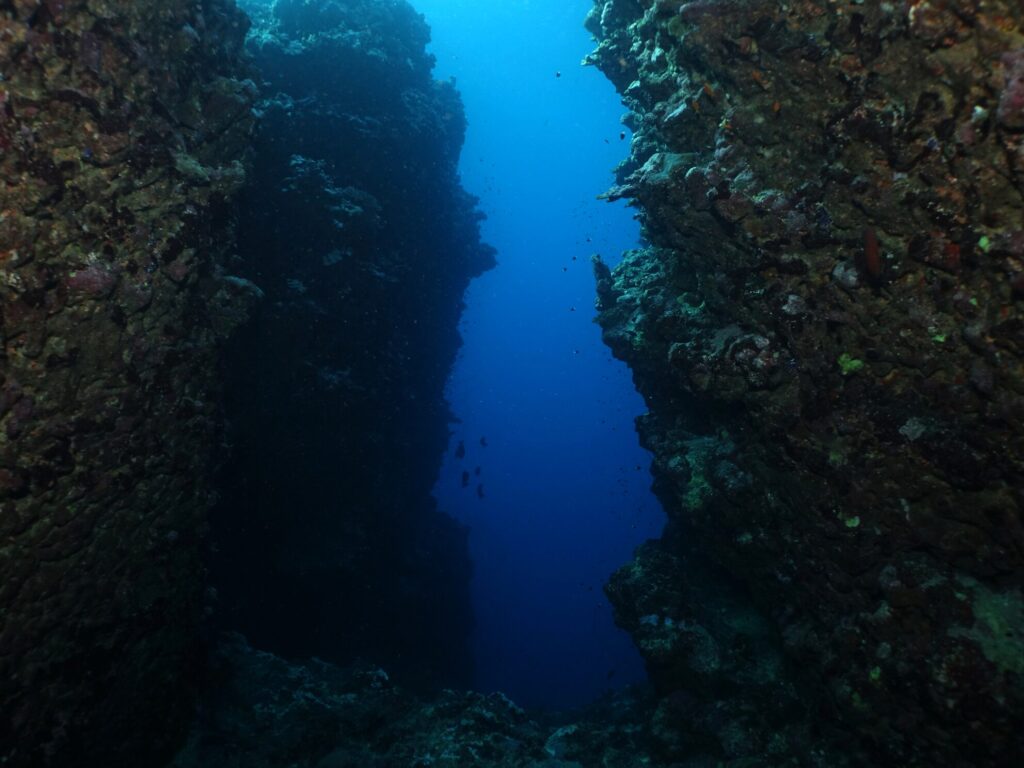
(122, 124)
(828, 329)
(356, 229)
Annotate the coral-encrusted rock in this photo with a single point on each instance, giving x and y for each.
(108, 400)
(358, 232)
(829, 333)
(264, 712)
(1011, 103)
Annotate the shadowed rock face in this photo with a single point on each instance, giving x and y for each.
(355, 227)
(828, 329)
(121, 127)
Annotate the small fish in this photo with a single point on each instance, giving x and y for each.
(477, 471)
(460, 452)
(465, 479)
(480, 491)
(558, 74)
(622, 136)
(483, 442)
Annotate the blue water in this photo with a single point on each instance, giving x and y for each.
(565, 485)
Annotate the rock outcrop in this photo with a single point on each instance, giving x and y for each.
(828, 329)
(263, 712)
(122, 127)
(357, 231)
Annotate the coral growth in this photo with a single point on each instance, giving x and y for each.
(114, 303)
(827, 328)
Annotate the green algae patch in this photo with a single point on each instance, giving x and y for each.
(998, 625)
(191, 168)
(691, 305)
(849, 364)
(697, 492)
(696, 462)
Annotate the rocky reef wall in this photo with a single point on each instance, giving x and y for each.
(122, 124)
(827, 328)
(128, 228)
(357, 231)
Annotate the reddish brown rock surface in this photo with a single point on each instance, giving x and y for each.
(122, 125)
(828, 330)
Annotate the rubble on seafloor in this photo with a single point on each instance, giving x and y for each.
(263, 712)
(828, 328)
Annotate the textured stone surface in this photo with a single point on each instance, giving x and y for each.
(356, 229)
(121, 129)
(263, 712)
(827, 327)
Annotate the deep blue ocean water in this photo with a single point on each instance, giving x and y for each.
(565, 484)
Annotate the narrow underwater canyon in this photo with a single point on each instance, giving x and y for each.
(559, 497)
(233, 252)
